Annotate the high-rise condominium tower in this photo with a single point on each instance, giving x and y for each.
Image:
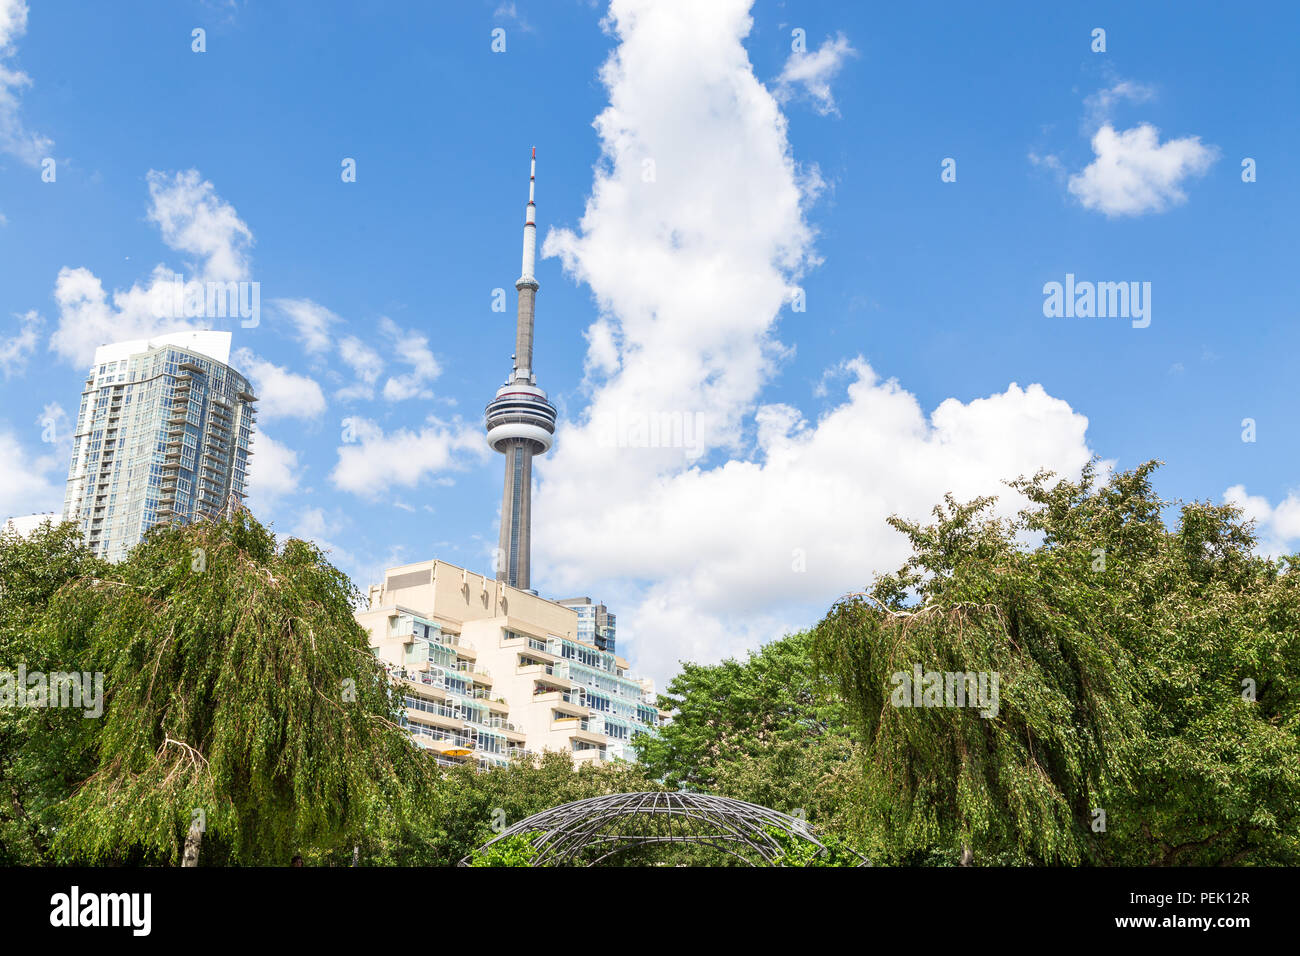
(520, 421)
(162, 435)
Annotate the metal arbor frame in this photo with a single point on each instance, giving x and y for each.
(589, 832)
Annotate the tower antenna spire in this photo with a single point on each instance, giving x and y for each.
(520, 421)
(526, 284)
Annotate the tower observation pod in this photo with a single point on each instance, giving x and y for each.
(520, 421)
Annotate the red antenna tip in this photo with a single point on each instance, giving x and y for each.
(534, 152)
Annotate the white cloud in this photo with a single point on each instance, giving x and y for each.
(312, 524)
(15, 138)
(1049, 161)
(56, 426)
(1099, 107)
(719, 546)
(323, 530)
(312, 323)
(690, 273)
(273, 473)
(410, 348)
(812, 73)
(366, 364)
(15, 350)
(1278, 528)
(376, 461)
(30, 483)
(192, 219)
(1134, 173)
(280, 392)
(509, 11)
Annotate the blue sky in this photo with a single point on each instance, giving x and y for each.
(773, 170)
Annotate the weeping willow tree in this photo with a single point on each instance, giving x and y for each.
(44, 751)
(1145, 708)
(244, 712)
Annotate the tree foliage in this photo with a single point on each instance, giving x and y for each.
(240, 693)
(768, 730)
(1121, 648)
(44, 752)
(472, 806)
(514, 850)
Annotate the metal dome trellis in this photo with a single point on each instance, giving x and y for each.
(589, 832)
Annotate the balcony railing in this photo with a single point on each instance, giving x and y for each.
(446, 736)
(441, 710)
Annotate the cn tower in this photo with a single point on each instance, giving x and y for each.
(520, 421)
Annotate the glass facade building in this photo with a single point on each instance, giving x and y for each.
(162, 435)
(596, 625)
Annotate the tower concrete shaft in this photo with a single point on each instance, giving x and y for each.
(517, 515)
(520, 421)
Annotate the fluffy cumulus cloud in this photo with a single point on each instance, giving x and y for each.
(810, 74)
(274, 472)
(30, 482)
(17, 348)
(371, 461)
(712, 519)
(280, 392)
(193, 219)
(1133, 172)
(15, 139)
(1278, 527)
(322, 529)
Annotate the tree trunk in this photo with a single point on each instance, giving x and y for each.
(966, 856)
(193, 839)
(356, 854)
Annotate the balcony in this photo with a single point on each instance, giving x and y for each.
(562, 704)
(444, 742)
(544, 683)
(469, 670)
(500, 723)
(437, 715)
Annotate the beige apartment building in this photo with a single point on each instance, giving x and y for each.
(490, 671)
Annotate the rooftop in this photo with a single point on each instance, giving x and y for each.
(215, 345)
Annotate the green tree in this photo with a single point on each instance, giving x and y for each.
(768, 730)
(472, 806)
(514, 850)
(245, 709)
(44, 752)
(1121, 648)
(799, 852)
